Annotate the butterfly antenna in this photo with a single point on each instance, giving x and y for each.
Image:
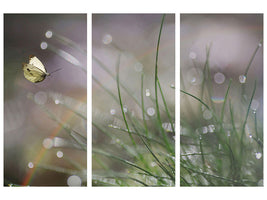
(55, 71)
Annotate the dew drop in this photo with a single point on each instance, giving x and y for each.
(258, 155)
(57, 101)
(43, 45)
(60, 154)
(125, 109)
(30, 165)
(254, 105)
(228, 133)
(74, 181)
(259, 44)
(194, 76)
(150, 111)
(48, 34)
(242, 79)
(148, 92)
(167, 126)
(112, 111)
(107, 39)
(204, 130)
(219, 78)
(211, 128)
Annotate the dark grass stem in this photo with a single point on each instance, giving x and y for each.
(245, 121)
(198, 99)
(156, 91)
(225, 99)
(121, 105)
(166, 107)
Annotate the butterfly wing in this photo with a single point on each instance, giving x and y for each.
(33, 60)
(33, 73)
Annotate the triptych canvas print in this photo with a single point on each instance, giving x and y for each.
(139, 87)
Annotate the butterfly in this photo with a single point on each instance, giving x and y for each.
(34, 71)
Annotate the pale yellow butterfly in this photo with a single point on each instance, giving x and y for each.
(34, 71)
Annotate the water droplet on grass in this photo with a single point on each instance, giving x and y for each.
(258, 155)
(48, 34)
(43, 45)
(30, 165)
(242, 79)
(204, 130)
(167, 126)
(194, 76)
(147, 92)
(254, 105)
(228, 133)
(60, 154)
(211, 128)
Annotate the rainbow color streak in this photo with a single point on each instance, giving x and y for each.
(41, 154)
(217, 99)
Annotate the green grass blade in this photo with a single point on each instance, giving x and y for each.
(225, 99)
(142, 103)
(123, 161)
(196, 99)
(166, 108)
(156, 91)
(245, 121)
(119, 94)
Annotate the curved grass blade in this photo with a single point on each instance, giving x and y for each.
(245, 121)
(166, 108)
(119, 94)
(225, 99)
